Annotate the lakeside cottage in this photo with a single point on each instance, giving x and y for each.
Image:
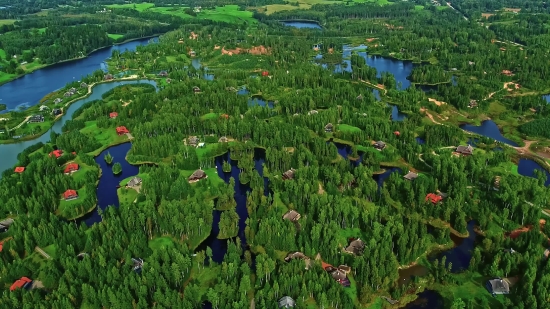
(108, 77)
(329, 127)
(498, 286)
(58, 100)
(465, 150)
(379, 145)
(292, 215)
(19, 169)
(23, 283)
(289, 174)
(71, 168)
(411, 176)
(197, 175)
(356, 247)
(43, 108)
(223, 139)
(36, 118)
(122, 130)
(287, 302)
(136, 181)
(70, 195)
(83, 85)
(196, 89)
(57, 111)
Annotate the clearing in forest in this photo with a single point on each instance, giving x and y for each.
(436, 102)
(136, 6)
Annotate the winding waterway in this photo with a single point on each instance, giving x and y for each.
(29, 89)
(10, 151)
(489, 129)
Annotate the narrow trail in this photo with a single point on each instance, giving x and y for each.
(42, 252)
(22, 123)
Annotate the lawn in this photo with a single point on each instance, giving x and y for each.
(35, 65)
(41, 30)
(471, 287)
(105, 137)
(229, 14)
(159, 243)
(4, 77)
(303, 4)
(136, 6)
(114, 36)
(51, 250)
(66, 209)
(2, 54)
(210, 116)
(126, 196)
(212, 174)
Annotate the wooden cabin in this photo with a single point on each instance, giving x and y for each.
(197, 175)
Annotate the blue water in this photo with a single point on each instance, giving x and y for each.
(243, 91)
(30, 88)
(396, 115)
(108, 182)
(428, 299)
(527, 167)
(258, 101)
(302, 24)
(461, 255)
(380, 178)
(547, 98)
(10, 151)
(489, 129)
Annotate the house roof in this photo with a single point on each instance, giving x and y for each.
(70, 193)
(19, 169)
(498, 286)
(396, 133)
(356, 246)
(380, 143)
(338, 275)
(465, 149)
(20, 283)
(113, 115)
(292, 215)
(57, 153)
(122, 129)
(71, 167)
(286, 302)
(198, 174)
(6, 222)
(134, 181)
(434, 198)
(329, 126)
(411, 176)
(222, 139)
(289, 174)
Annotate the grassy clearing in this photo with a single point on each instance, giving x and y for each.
(2, 54)
(210, 116)
(136, 6)
(175, 11)
(114, 36)
(7, 21)
(160, 243)
(471, 287)
(418, 7)
(229, 14)
(302, 4)
(51, 250)
(4, 77)
(35, 65)
(103, 136)
(41, 30)
(67, 208)
(348, 128)
(126, 196)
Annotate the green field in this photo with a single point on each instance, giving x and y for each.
(178, 11)
(2, 54)
(7, 21)
(66, 208)
(348, 128)
(103, 136)
(228, 14)
(137, 6)
(160, 243)
(114, 36)
(4, 77)
(41, 30)
(303, 4)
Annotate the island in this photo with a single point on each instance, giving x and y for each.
(336, 155)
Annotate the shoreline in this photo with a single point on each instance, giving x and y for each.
(74, 59)
(90, 91)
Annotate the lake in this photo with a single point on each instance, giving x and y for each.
(29, 89)
(489, 129)
(546, 97)
(527, 167)
(10, 151)
(461, 254)
(428, 299)
(302, 24)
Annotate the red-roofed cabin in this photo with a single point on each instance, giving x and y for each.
(113, 115)
(121, 130)
(21, 283)
(19, 169)
(71, 168)
(74, 152)
(70, 195)
(265, 73)
(224, 116)
(434, 198)
(396, 133)
(57, 153)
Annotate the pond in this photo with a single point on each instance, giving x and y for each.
(107, 187)
(489, 129)
(259, 101)
(461, 254)
(31, 88)
(396, 115)
(527, 167)
(10, 151)
(302, 24)
(428, 299)
(546, 97)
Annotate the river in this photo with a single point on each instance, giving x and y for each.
(489, 129)
(31, 88)
(10, 151)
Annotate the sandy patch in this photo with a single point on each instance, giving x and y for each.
(388, 26)
(514, 86)
(193, 36)
(216, 47)
(256, 50)
(321, 190)
(487, 15)
(331, 50)
(436, 102)
(371, 39)
(512, 10)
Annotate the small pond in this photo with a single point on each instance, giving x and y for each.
(461, 254)
(302, 24)
(259, 101)
(546, 97)
(527, 167)
(396, 115)
(428, 299)
(489, 129)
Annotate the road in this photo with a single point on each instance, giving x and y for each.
(449, 5)
(22, 123)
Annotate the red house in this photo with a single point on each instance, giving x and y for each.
(19, 169)
(224, 116)
(70, 195)
(113, 115)
(57, 153)
(396, 133)
(121, 130)
(71, 168)
(265, 73)
(21, 283)
(434, 198)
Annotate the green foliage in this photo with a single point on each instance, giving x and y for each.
(108, 158)
(537, 127)
(117, 168)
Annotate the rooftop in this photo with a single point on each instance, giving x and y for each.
(498, 286)
(411, 176)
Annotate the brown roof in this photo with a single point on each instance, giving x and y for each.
(465, 149)
(345, 268)
(289, 174)
(356, 247)
(292, 215)
(411, 176)
(338, 275)
(223, 139)
(198, 174)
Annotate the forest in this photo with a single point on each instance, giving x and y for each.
(221, 241)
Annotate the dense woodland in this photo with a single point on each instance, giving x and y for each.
(335, 187)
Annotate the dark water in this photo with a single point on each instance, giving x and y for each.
(380, 178)
(428, 299)
(29, 89)
(527, 167)
(219, 246)
(243, 91)
(108, 182)
(489, 129)
(376, 93)
(302, 24)
(420, 140)
(10, 151)
(546, 97)
(259, 101)
(461, 255)
(396, 115)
